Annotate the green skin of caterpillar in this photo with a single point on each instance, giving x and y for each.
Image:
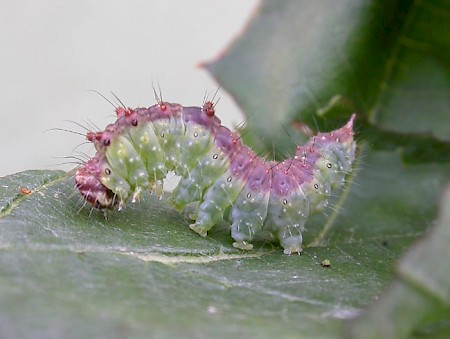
(140, 158)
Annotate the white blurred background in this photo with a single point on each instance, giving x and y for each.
(54, 51)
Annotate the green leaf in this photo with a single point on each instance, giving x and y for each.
(420, 294)
(66, 271)
(388, 60)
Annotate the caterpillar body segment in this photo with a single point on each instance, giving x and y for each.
(224, 178)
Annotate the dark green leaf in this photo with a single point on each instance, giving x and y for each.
(388, 60)
(420, 294)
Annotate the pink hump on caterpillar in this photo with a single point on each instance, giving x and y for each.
(219, 174)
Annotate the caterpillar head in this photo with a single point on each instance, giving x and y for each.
(90, 187)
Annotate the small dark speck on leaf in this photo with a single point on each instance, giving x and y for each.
(326, 263)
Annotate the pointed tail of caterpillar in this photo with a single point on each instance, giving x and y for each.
(221, 176)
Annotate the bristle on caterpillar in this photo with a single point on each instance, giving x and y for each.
(221, 176)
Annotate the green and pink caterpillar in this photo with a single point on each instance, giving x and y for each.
(220, 176)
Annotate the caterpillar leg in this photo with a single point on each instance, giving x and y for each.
(291, 239)
(216, 200)
(288, 207)
(199, 229)
(243, 245)
(250, 209)
(242, 232)
(248, 215)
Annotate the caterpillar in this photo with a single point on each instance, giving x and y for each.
(221, 178)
